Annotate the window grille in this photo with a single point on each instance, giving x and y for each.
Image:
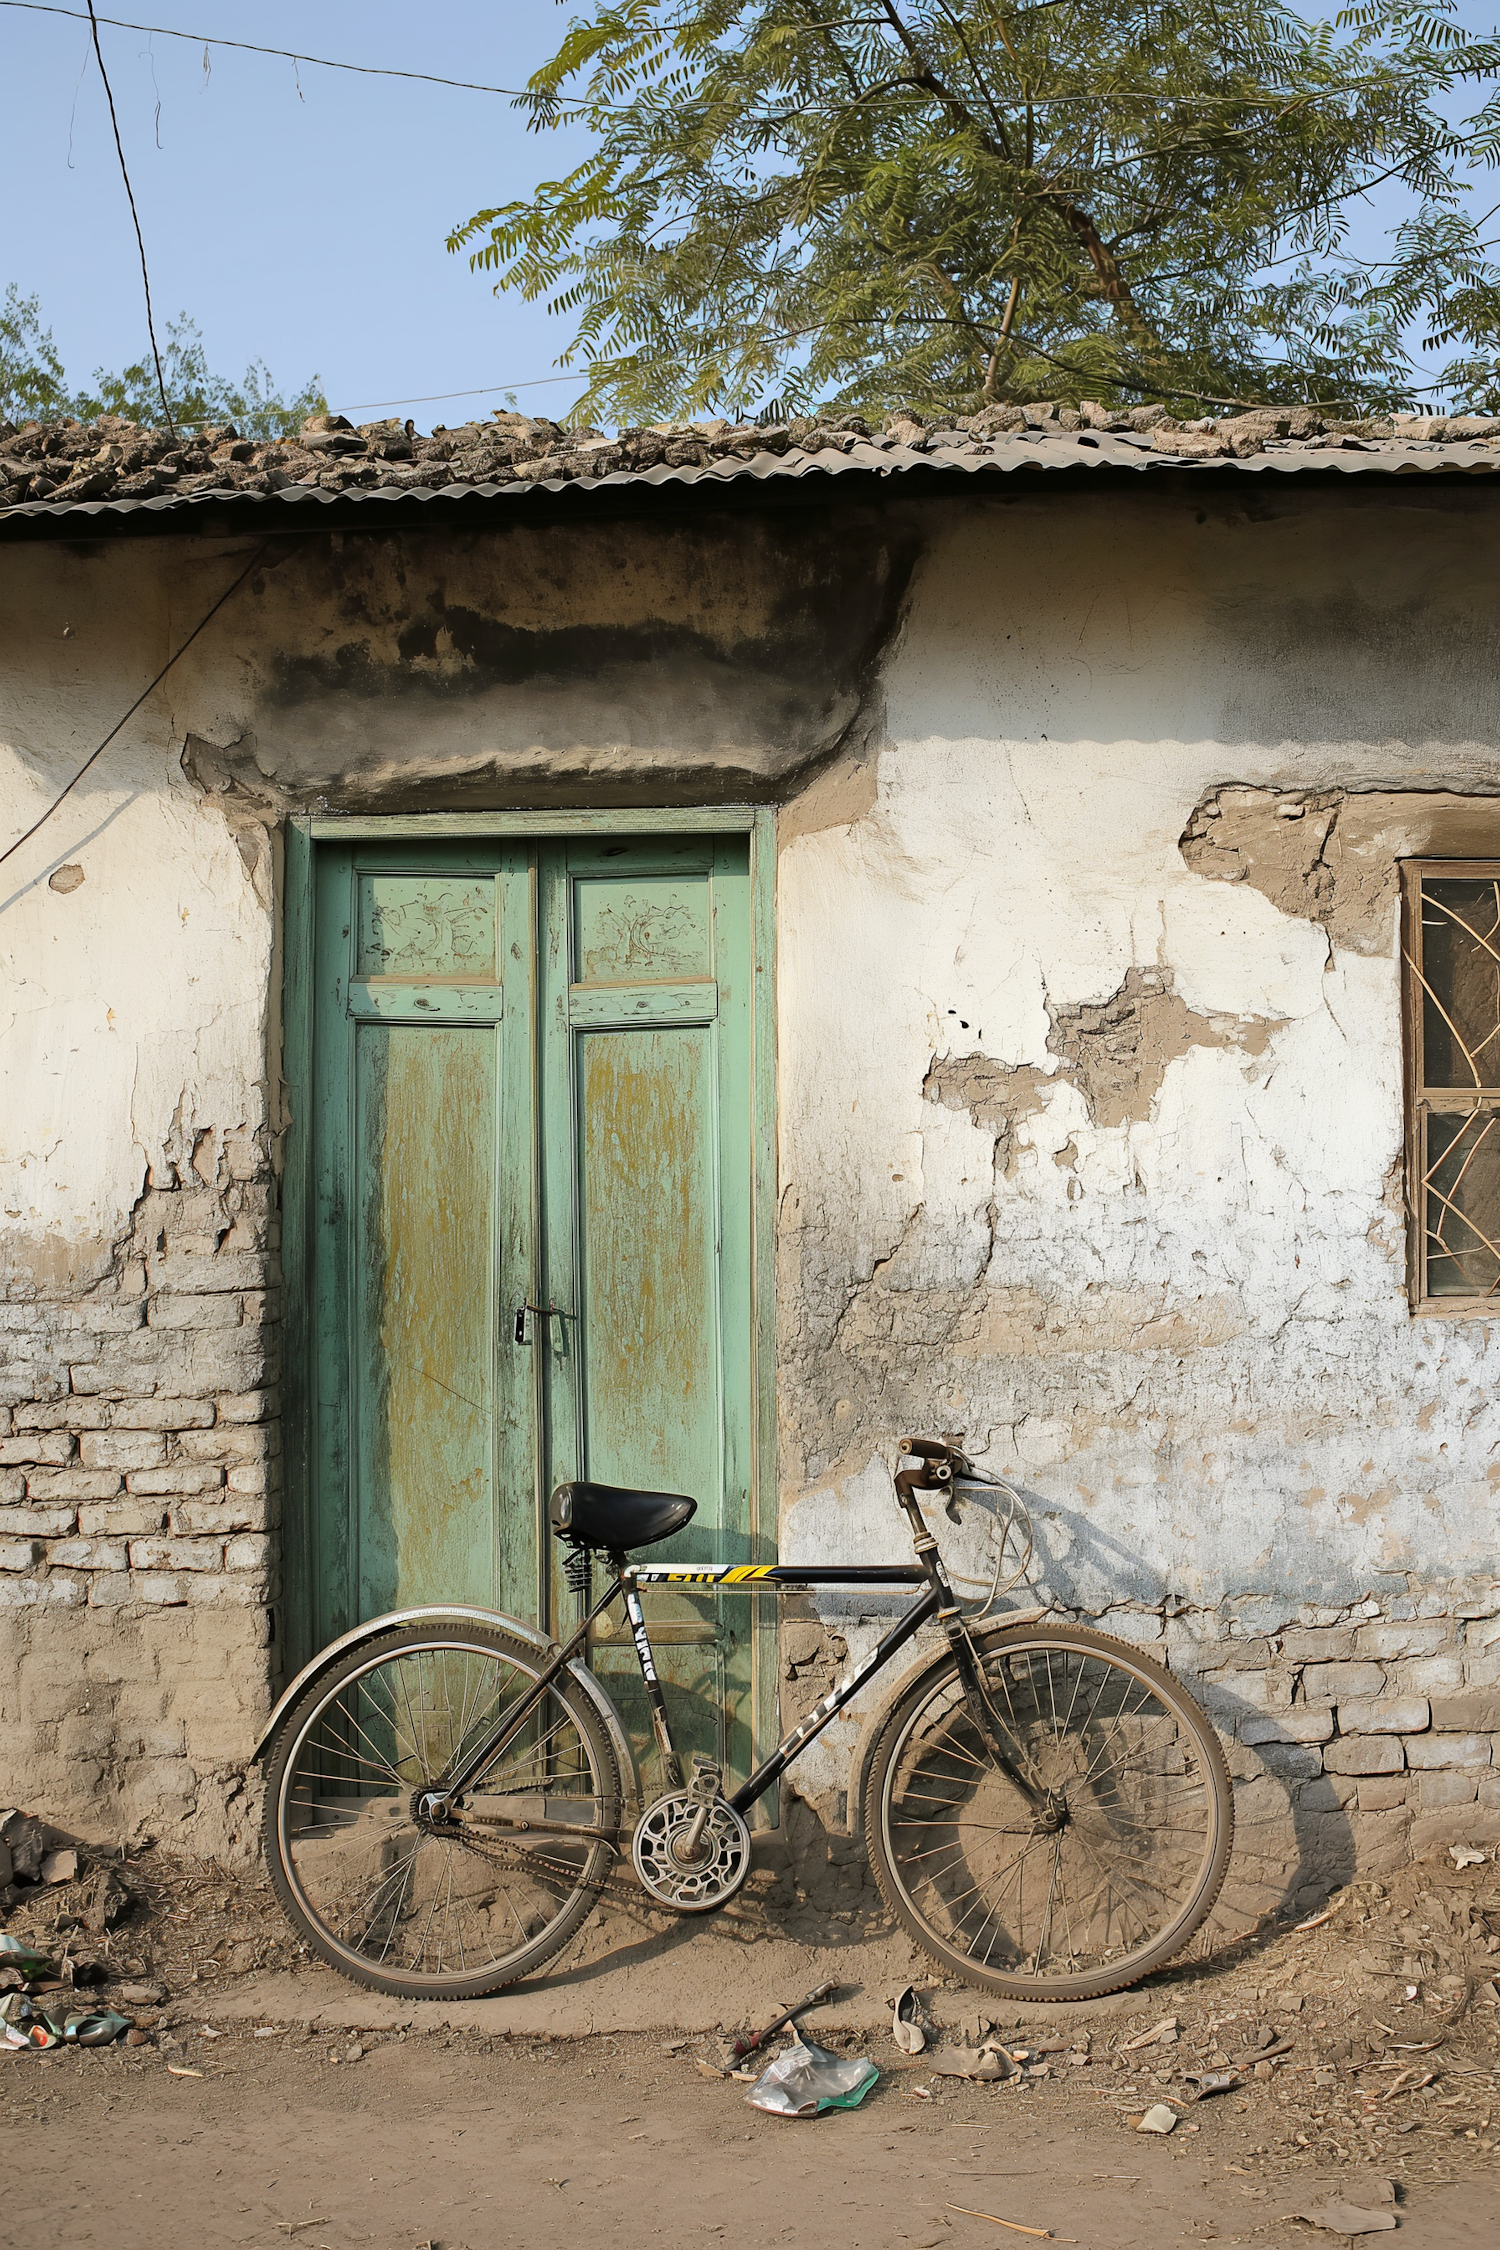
(1451, 954)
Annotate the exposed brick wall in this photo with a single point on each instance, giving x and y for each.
(140, 1450)
(1359, 1737)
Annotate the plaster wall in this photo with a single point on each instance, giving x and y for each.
(1089, 1077)
(1091, 1134)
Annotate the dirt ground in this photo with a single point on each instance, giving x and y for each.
(274, 2104)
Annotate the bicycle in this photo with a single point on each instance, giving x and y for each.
(1045, 1809)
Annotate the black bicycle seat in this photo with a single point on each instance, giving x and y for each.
(616, 1516)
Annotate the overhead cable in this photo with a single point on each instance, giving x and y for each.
(140, 240)
(580, 104)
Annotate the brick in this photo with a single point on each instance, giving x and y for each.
(248, 1444)
(1489, 1789)
(12, 1484)
(1435, 1790)
(1387, 1714)
(244, 1513)
(123, 1449)
(1439, 1750)
(250, 1551)
(36, 1447)
(20, 1554)
(1364, 1753)
(36, 1523)
(107, 1320)
(176, 1554)
(180, 1478)
(245, 1590)
(1378, 1840)
(1464, 1824)
(226, 1270)
(88, 1554)
(72, 1484)
(111, 1589)
(1467, 1714)
(163, 1414)
(1382, 1792)
(54, 1592)
(1331, 1683)
(255, 1476)
(121, 1519)
(1305, 1722)
(248, 1406)
(168, 1314)
(1408, 1637)
(1317, 1644)
(1432, 1675)
(163, 1589)
(64, 1414)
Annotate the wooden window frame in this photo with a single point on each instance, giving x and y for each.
(1418, 1099)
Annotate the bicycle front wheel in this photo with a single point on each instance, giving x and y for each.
(450, 1908)
(1067, 1838)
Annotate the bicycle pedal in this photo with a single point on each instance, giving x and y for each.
(707, 1784)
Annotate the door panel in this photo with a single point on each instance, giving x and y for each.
(425, 1467)
(648, 1311)
(646, 1077)
(424, 1301)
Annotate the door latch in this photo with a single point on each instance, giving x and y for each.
(542, 1312)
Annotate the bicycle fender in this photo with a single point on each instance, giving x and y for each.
(859, 1769)
(327, 1657)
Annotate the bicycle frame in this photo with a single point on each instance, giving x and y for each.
(930, 1474)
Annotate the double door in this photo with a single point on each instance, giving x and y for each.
(530, 1234)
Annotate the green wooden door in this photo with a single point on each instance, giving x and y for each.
(531, 1079)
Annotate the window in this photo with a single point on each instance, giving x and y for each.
(1451, 952)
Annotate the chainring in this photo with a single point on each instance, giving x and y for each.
(690, 1886)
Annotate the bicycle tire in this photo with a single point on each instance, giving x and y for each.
(348, 1757)
(1111, 1841)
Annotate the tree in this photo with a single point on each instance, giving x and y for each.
(255, 407)
(951, 202)
(33, 383)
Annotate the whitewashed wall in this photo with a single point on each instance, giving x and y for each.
(1183, 1332)
(1090, 1139)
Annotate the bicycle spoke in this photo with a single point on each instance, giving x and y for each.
(429, 1903)
(1088, 1862)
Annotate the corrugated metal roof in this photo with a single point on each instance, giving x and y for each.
(1077, 453)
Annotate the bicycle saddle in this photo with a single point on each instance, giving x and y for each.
(616, 1516)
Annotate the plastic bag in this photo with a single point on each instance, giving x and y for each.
(19, 1955)
(29, 2023)
(806, 2079)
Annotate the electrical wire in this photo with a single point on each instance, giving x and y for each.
(140, 240)
(440, 398)
(178, 652)
(581, 102)
(250, 47)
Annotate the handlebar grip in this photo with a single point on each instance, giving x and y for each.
(925, 1448)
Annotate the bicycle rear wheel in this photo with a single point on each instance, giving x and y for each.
(395, 1899)
(1066, 1841)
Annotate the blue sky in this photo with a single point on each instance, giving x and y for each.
(298, 217)
(305, 231)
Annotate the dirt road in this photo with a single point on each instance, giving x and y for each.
(468, 2143)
